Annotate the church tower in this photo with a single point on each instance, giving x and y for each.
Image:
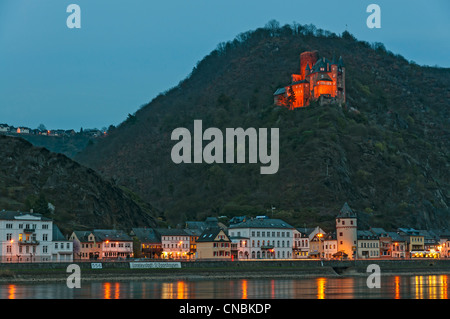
(346, 231)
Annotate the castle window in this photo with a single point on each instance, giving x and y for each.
(343, 222)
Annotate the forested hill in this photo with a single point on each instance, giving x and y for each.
(32, 177)
(386, 152)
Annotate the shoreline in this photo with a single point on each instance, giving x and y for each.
(193, 274)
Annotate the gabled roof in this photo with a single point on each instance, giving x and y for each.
(395, 236)
(17, 215)
(366, 234)
(379, 232)
(171, 232)
(210, 234)
(111, 234)
(146, 235)
(346, 212)
(57, 234)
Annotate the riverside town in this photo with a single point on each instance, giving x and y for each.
(28, 237)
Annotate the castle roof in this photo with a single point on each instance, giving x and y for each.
(324, 77)
(321, 63)
(346, 212)
(280, 91)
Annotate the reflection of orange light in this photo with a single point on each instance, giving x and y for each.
(397, 287)
(12, 240)
(321, 282)
(11, 291)
(244, 289)
(117, 291)
(181, 290)
(320, 235)
(272, 289)
(444, 286)
(107, 290)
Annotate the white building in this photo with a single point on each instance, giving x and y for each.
(330, 246)
(368, 244)
(263, 238)
(175, 243)
(28, 237)
(301, 244)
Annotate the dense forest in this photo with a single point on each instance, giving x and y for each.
(385, 152)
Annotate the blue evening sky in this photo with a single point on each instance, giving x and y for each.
(128, 51)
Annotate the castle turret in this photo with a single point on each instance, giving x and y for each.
(307, 58)
(346, 231)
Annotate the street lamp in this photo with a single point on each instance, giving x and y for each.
(320, 235)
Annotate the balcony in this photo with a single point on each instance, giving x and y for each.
(28, 230)
(28, 242)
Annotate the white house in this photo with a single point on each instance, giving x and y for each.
(29, 237)
(263, 238)
(4, 128)
(301, 244)
(368, 244)
(330, 246)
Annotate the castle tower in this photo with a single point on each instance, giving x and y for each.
(307, 58)
(346, 231)
(341, 81)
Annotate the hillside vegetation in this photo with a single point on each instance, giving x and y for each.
(32, 177)
(386, 152)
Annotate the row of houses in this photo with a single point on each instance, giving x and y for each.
(28, 237)
(23, 130)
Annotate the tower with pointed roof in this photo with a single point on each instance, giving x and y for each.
(346, 231)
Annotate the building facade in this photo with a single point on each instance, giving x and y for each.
(263, 238)
(346, 231)
(29, 237)
(174, 243)
(213, 244)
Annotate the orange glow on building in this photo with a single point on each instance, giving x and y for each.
(319, 77)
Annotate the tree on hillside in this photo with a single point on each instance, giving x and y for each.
(291, 98)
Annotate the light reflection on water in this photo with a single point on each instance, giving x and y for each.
(392, 287)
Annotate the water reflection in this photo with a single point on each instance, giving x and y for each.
(395, 287)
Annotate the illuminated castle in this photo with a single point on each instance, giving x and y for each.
(318, 79)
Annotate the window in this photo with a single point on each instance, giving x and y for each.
(8, 249)
(8, 236)
(9, 226)
(44, 237)
(45, 226)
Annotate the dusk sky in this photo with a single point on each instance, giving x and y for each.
(127, 52)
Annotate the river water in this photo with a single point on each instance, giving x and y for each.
(392, 287)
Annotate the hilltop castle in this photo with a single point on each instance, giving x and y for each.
(318, 79)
